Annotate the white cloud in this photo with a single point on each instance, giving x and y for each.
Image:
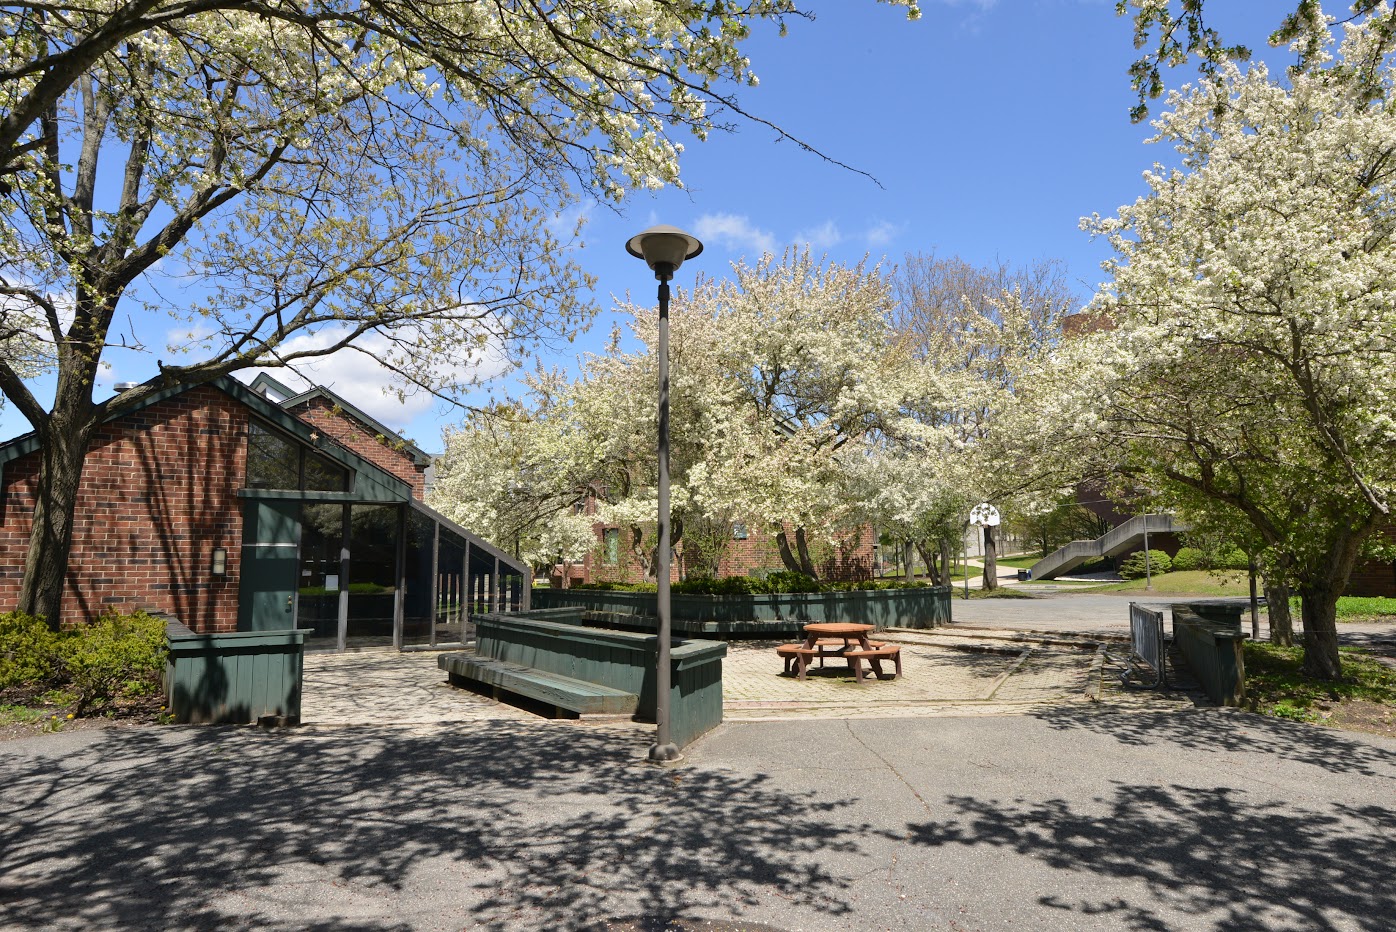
(881, 233)
(356, 375)
(825, 236)
(735, 233)
(567, 224)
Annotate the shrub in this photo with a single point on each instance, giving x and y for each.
(28, 651)
(1188, 558)
(116, 657)
(1231, 558)
(778, 582)
(1133, 567)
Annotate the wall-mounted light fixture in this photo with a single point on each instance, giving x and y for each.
(219, 566)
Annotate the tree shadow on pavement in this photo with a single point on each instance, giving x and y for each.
(1228, 730)
(490, 826)
(1211, 855)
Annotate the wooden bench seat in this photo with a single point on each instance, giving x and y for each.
(797, 657)
(563, 692)
(874, 657)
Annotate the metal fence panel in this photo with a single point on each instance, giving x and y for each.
(1146, 640)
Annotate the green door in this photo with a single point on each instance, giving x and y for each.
(270, 565)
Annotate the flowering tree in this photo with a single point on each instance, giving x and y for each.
(973, 330)
(1172, 31)
(1247, 360)
(787, 368)
(336, 169)
(780, 378)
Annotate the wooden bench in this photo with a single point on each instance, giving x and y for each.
(553, 689)
(797, 657)
(875, 658)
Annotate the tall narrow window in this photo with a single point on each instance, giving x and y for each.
(273, 462)
(610, 539)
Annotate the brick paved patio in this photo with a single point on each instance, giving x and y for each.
(949, 671)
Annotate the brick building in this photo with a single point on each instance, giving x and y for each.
(240, 509)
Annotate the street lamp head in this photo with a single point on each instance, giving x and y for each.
(664, 249)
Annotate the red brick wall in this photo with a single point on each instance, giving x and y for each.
(158, 494)
(361, 439)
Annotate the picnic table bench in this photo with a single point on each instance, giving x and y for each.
(851, 643)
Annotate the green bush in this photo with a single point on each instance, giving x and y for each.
(779, 582)
(1133, 567)
(28, 651)
(1231, 558)
(116, 657)
(1188, 558)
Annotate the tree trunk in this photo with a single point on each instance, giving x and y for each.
(64, 441)
(787, 557)
(928, 557)
(802, 550)
(1320, 604)
(947, 574)
(991, 567)
(645, 557)
(910, 556)
(1281, 623)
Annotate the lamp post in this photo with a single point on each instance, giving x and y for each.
(664, 249)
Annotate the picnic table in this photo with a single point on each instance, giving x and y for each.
(844, 641)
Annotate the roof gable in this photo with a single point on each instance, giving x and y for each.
(370, 481)
(289, 398)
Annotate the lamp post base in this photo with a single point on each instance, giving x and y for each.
(664, 753)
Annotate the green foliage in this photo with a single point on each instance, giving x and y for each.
(778, 582)
(116, 657)
(28, 651)
(1276, 684)
(1231, 558)
(1134, 566)
(1189, 558)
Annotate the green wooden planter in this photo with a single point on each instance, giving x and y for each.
(756, 616)
(235, 677)
(1213, 652)
(544, 640)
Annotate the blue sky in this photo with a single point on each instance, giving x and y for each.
(992, 127)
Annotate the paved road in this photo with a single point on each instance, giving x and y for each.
(1108, 613)
(1065, 820)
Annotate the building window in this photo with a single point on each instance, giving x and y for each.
(739, 531)
(610, 540)
(277, 462)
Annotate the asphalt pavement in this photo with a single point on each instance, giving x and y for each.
(1066, 819)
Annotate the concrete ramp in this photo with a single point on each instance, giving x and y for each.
(1122, 539)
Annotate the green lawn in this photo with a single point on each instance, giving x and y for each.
(1190, 582)
(1018, 563)
(1360, 608)
(1276, 686)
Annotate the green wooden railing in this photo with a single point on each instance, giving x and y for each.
(763, 615)
(553, 641)
(1212, 650)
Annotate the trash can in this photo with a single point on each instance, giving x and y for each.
(1024, 575)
